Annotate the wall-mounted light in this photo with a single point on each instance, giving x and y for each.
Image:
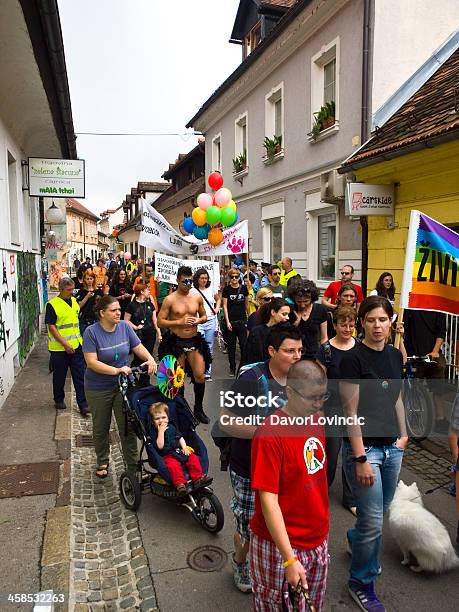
(53, 215)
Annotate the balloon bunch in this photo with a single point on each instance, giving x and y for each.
(213, 212)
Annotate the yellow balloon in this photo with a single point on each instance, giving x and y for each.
(232, 205)
(199, 216)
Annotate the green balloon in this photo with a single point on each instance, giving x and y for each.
(228, 216)
(213, 214)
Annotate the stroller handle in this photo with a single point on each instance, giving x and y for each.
(123, 378)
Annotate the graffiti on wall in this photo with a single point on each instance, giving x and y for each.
(28, 303)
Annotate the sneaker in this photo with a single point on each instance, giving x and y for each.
(208, 377)
(365, 597)
(241, 575)
(84, 410)
(181, 489)
(60, 405)
(232, 373)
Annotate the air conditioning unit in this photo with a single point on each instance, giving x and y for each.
(332, 187)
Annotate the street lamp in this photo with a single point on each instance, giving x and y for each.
(54, 215)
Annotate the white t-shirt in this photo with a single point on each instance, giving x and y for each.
(210, 298)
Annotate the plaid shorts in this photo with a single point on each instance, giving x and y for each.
(269, 587)
(242, 504)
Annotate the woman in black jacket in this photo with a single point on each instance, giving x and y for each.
(256, 349)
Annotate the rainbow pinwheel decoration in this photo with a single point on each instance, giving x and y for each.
(170, 376)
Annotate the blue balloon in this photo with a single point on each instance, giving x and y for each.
(201, 232)
(189, 225)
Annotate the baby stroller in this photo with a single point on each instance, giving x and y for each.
(152, 473)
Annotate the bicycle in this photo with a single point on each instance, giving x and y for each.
(419, 407)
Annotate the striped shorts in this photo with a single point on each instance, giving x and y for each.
(269, 587)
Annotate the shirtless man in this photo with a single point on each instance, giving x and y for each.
(182, 312)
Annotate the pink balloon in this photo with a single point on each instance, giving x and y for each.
(223, 197)
(205, 200)
(127, 256)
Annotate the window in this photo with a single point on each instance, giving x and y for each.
(275, 240)
(34, 223)
(81, 227)
(252, 39)
(274, 108)
(329, 81)
(217, 153)
(325, 90)
(13, 199)
(326, 226)
(240, 144)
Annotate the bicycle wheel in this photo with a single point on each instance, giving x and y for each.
(419, 410)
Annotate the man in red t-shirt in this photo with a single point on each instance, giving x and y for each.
(331, 292)
(290, 525)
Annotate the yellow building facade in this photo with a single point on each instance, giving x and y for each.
(426, 180)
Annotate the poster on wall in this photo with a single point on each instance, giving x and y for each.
(9, 325)
(57, 178)
(166, 269)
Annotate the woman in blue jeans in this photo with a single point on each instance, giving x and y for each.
(373, 451)
(202, 285)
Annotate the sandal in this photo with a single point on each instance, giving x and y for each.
(102, 471)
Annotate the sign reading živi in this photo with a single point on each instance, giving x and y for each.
(166, 269)
(363, 200)
(57, 178)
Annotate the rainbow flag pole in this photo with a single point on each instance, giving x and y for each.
(430, 276)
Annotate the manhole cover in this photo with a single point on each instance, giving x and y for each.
(29, 479)
(207, 559)
(82, 440)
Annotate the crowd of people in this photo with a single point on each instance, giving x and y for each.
(333, 355)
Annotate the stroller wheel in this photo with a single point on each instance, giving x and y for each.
(209, 512)
(130, 492)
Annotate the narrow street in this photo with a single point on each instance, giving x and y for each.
(81, 541)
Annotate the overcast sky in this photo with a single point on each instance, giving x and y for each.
(141, 66)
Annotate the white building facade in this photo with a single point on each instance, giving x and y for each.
(314, 56)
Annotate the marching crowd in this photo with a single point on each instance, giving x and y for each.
(332, 356)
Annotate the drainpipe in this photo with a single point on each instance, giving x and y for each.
(364, 133)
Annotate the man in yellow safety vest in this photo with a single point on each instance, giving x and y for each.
(64, 344)
(287, 271)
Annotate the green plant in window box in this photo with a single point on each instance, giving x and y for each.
(323, 119)
(272, 146)
(240, 162)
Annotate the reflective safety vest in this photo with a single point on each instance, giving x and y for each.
(67, 324)
(285, 277)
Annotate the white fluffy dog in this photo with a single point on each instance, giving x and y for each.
(419, 533)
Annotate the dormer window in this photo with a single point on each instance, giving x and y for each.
(252, 39)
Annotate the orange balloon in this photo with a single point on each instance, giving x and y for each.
(215, 236)
(199, 216)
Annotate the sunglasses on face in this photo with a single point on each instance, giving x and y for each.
(275, 274)
(266, 299)
(187, 281)
(346, 273)
(234, 276)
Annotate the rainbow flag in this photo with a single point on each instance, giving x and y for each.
(430, 276)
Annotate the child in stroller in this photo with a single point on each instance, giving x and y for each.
(171, 446)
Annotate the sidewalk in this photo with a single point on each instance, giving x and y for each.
(76, 537)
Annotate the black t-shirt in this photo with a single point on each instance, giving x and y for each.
(141, 313)
(378, 374)
(331, 357)
(422, 328)
(310, 330)
(50, 313)
(87, 311)
(254, 382)
(236, 302)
